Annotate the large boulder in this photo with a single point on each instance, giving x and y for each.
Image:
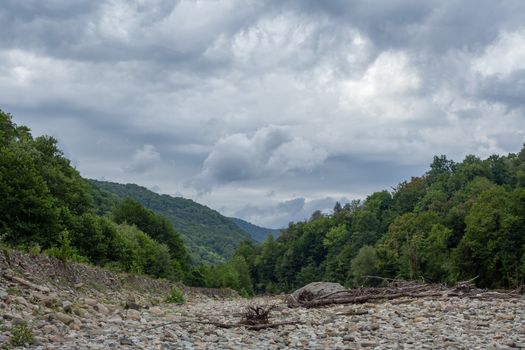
(315, 291)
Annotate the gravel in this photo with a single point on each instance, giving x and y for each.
(61, 317)
(413, 324)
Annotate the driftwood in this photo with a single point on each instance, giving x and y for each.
(255, 318)
(394, 290)
(257, 315)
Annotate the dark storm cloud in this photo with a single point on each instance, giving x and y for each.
(434, 25)
(230, 101)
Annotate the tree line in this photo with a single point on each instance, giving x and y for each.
(457, 221)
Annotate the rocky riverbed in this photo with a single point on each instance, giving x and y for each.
(61, 321)
(60, 314)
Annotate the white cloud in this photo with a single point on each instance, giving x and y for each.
(269, 151)
(503, 57)
(389, 78)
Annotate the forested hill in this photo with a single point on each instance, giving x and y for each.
(209, 236)
(258, 233)
(458, 221)
(46, 206)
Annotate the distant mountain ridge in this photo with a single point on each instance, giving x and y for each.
(258, 233)
(209, 236)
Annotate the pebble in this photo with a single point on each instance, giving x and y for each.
(157, 311)
(101, 308)
(133, 315)
(49, 301)
(90, 302)
(66, 306)
(20, 300)
(66, 319)
(125, 341)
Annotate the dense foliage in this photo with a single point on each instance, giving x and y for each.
(46, 204)
(156, 226)
(458, 221)
(210, 237)
(234, 273)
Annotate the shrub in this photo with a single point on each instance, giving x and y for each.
(176, 296)
(364, 264)
(65, 251)
(21, 335)
(137, 252)
(35, 249)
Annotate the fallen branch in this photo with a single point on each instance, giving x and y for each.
(398, 289)
(352, 313)
(272, 325)
(255, 318)
(226, 325)
(366, 298)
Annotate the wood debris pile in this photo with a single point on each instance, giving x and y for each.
(319, 294)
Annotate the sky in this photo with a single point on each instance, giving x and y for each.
(266, 110)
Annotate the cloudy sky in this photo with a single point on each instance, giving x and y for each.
(266, 110)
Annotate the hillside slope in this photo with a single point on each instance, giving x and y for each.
(258, 233)
(209, 236)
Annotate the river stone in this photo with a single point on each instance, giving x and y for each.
(20, 300)
(315, 290)
(126, 341)
(49, 301)
(133, 315)
(101, 308)
(63, 318)
(66, 306)
(157, 311)
(90, 302)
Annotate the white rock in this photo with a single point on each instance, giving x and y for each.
(157, 311)
(101, 308)
(133, 315)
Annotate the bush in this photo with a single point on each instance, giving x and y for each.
(137, 252)
(35, 249)
(92, 236)
(21, 335)
(176, 296)
(154, 225)
(196, 277)
(65, 251)
(234, 274)
(364, 264)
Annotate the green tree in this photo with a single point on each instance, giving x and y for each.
(493, 243)
(364, 264)
(435, 254)
(156, 226)
(135, 251)
(94, 237)
(28, 212)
